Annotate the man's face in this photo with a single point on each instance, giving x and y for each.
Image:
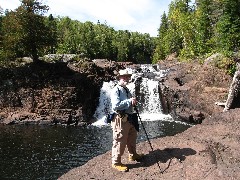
(124, 80)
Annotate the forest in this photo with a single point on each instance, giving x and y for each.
(190, 29)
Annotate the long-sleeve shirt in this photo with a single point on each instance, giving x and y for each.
(120, 99)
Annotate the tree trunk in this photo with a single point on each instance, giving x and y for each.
(233, 100)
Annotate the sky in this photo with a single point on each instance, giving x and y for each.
(143, 16)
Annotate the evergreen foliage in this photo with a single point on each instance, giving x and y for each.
(228, 26)
(207, 26)
(190, 29)
(161, 49)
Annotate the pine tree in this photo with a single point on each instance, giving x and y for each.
(204, 27)
(12, 35)
(31, 18)
(160, 50)
(228, 27)
(51, 36)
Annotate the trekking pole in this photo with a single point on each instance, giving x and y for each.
(147, 137)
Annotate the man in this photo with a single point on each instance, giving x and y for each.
(124, 124)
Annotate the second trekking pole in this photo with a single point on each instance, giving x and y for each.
(147, 136)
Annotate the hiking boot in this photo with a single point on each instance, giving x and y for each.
(135, 157)
(120, 167)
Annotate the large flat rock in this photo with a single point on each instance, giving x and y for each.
(206, 151)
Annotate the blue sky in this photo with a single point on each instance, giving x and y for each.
(143, 16)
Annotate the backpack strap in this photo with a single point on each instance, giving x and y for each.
(125, 88)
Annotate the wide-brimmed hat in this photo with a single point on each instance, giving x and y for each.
(123, 72)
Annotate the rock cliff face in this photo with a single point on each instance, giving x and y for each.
(43, 93)
(190, 90)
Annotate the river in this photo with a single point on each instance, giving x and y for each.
(47, 152)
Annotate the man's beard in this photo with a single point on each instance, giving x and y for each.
(125, 83)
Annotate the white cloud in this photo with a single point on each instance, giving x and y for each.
(134, 15)
(9, 4)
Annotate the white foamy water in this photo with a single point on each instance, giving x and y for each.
(105, 105)
(150, 98)
(159, 117)
(149, 107)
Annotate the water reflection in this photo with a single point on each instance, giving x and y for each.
(47, 152)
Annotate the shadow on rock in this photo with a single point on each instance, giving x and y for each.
(180, 154)
(177, 153)
(163, 156)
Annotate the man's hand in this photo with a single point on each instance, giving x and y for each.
(134, 101)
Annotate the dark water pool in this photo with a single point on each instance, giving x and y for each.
(47, 152)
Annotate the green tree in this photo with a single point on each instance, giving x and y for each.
(70, 36)
(227, 28)
(1, 30)
(160, 50)
(174, 39)
(25, 31)
(52, 35)
(121, 43)
(35, 31)
(140, 47)
(11, 36)
(204, 27)
(88, 36)
(184, 20)
(103, 39)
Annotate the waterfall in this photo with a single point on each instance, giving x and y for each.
(150, 97)
(144, 86)
(104, 106)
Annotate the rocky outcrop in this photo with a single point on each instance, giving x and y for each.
(53, 92)
(190, 90)
(67, 91)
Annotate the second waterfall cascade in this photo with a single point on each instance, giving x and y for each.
(144, 86)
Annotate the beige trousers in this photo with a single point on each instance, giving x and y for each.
(124, 134)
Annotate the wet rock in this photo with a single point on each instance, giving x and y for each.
(190, 90)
